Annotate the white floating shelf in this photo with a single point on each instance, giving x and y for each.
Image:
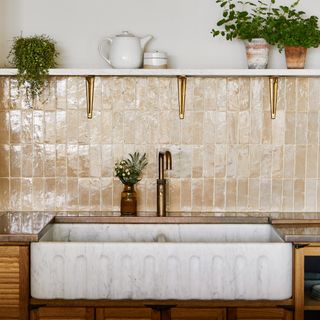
(177, 72)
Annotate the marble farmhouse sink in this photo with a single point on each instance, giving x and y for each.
(161, 261)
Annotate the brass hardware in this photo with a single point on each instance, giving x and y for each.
(90, 94)
(182, 88)
(161, 182)
(273, 84)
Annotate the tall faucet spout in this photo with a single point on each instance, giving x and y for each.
(161, 165)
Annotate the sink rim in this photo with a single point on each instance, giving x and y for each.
(274, 237)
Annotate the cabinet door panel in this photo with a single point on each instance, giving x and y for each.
(14, 282)
(123, 313)
(57, 313)
(9, 282)
(262, 314)
(9, 313)
(198, 314)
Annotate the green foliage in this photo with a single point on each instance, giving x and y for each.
(33, 57)
(293, 28)
(281, 26)
(244, 24)
(130, 170)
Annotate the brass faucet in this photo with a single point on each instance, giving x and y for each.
(164, 158)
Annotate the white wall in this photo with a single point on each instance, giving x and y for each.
(180, 27)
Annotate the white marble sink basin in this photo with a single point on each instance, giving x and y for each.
(161, 261)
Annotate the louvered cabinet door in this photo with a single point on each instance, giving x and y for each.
(14, 282)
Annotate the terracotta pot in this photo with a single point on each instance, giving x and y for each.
(257, 53)
(128, 201)
(295, 57)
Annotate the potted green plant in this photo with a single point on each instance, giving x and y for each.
(295, 32)
(247, 21)
(129, 172)
(33, 57)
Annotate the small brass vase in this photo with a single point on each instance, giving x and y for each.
(128, 205)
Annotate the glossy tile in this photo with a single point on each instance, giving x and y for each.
(228, 155)
(4, 127)
(5, 160)
(5, 193)
(15, 126)
(15, 194)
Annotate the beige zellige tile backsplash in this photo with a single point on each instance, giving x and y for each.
(228, 155)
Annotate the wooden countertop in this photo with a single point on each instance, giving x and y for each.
(23, 226)
(300, 234)
(303, 229)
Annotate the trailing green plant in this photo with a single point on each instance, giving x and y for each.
(129, 170)
(293, 28)
(244, 20)
(33, 57)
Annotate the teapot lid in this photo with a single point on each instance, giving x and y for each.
(125, 34)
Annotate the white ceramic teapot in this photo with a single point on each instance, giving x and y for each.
(126, 50)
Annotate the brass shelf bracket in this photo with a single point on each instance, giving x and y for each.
(274, 85)
(182, 88)
(90, 94)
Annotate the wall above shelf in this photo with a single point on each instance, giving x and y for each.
(177, 72)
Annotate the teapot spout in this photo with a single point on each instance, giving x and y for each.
(145, 40)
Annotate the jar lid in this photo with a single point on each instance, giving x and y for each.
(125, 34)
(155, 54)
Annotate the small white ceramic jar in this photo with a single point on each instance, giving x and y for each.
(155, 60)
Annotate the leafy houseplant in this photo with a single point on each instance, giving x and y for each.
(293, 28)
(243, 24)
(33, 57)
(295, 32)
(129, 172)
(251, 25)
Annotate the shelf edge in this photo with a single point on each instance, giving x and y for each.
(176, 72)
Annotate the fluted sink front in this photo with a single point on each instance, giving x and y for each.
(161, 261)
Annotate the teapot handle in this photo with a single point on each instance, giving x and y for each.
(100, 48)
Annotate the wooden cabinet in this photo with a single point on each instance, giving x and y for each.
(259, 313)
(14, 282)
(146, 313)
(198, 314)
(123, 313)
(302, 300)
(58, 313)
